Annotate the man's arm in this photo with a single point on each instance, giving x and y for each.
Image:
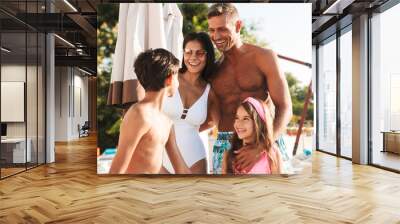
(133, 127)
(175, 156)
(267, 62)
(213, 113)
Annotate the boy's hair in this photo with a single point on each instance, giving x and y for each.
(219, 9)
(153, 67)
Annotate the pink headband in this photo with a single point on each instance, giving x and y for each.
(257, 105)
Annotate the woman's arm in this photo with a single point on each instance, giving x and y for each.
(213, 112)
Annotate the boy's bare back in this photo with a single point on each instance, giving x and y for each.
(144, 133)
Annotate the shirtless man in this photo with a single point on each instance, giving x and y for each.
(145, 131)
(244, 70)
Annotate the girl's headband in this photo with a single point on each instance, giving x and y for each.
(257, 105)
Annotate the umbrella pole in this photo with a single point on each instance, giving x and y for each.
(294, 60)
(303, 117)
(307, 101)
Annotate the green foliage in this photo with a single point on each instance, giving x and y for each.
(298, 94)
(194, 17)
(108, 117)
(248, 36)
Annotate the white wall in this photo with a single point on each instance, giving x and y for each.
(61, 103)
(16, 73)
(71, 93)
(10, 73)
(33, 126)
(81, 95)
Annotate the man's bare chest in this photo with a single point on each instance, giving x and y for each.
(232, 79)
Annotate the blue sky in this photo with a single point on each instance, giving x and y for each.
(287, 30)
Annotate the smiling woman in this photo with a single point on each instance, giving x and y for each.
(191, 108)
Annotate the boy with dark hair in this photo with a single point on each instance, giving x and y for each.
(145, 131)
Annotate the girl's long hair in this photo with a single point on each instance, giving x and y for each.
(264, 136)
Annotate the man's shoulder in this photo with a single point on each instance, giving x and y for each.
(259, 50)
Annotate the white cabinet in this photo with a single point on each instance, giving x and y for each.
(17, 146)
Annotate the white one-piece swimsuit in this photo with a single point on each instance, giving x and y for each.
(187, 122)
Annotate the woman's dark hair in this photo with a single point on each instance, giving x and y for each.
(263, 131)
(206, 43)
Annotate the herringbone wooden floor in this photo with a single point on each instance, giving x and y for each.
(70, 191)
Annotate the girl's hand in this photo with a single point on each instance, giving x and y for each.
(246, 157)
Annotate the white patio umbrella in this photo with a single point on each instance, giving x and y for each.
(173, 29)
(117, 75)
(141, 26)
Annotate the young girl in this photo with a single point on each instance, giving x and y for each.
(253, 130)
